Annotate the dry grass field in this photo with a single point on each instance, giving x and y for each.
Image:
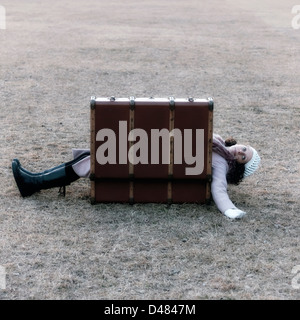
(56, 54)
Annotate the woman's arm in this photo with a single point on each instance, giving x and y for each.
(219, 188)
(219, 184)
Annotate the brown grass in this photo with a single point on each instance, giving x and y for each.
(56, 54)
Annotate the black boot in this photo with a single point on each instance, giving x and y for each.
(80, 157)
(60, 176)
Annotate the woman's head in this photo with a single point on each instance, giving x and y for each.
(245, 155)
(242, 160)
(241, 153)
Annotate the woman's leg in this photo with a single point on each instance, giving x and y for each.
(60, 176)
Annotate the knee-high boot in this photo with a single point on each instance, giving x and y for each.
(60, 176)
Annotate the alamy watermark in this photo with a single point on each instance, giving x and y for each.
(296, 19)
(2, 18)
(139, 151)
(296, 278)
(2, 278)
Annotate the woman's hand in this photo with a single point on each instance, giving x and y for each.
(234, 213)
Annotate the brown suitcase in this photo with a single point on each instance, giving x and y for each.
(151, 150)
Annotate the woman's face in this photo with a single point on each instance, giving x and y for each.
(242, 153)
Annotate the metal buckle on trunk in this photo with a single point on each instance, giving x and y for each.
(132, 103)
(172, 103)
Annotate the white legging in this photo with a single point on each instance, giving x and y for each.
(82, 168)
